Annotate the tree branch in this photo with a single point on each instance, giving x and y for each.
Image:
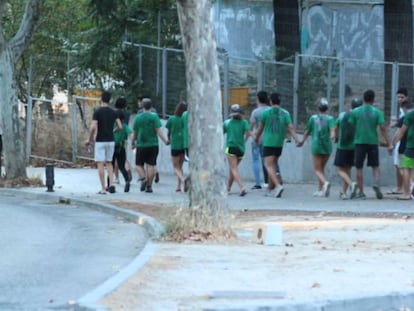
(27, 27)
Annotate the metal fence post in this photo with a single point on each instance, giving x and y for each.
(329, 84)
(74, 131)
(29, 116)
(226, 88)
(394, 89)
(341, 98)
(164, 82)
(295, 90)
(140, 63)
(260, 75)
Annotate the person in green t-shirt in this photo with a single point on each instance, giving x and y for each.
(273, 123)
(407, 160)
(366, 120)
(237, 129)
(175, 134)
(321, 127)
(345, 151)
(146, 130)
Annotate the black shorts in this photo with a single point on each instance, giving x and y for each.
(177, 152)
(364, 150)
(272, 151)
(234, 151)
(344, 158)
(146, 155)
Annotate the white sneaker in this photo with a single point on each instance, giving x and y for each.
(353, 190)
(278, 191)
(318, 194)
(326, 188)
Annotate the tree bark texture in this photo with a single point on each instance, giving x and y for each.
(398, 45)
(13, 143)
(207, 161)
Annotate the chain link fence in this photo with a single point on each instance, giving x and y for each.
(300, 80)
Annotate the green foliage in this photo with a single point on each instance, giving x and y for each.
(314, 75)
(115, 22)
(81, 43)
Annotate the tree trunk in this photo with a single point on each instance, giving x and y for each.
(13, 144)
(207, 162)
(286, 24)
(398, 46)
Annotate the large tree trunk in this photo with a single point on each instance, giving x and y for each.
(13, 146)
(398, 45)
(207, 166)
(286, 24)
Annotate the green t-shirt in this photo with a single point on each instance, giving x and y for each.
(185, 129)
(275, 121)
(236, 130)
(175, 126)
(145, 125)
(319, 126)
(346, 131)
(366, 120)
(122, 135)
(409, 123)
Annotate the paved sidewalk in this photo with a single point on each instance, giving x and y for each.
(338, 255)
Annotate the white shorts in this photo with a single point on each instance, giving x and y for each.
(104, 151)
(395, 155)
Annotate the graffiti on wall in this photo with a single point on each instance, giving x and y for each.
(245, 30)
(346, 32)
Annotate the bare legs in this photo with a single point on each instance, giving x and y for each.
(319, 163)
(234, 174)
(178, 162)
(101, 173)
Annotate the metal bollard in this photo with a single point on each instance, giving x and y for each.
(50, 177)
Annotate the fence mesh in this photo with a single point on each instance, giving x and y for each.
(300, 81)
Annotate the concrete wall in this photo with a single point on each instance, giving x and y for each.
(295, 164)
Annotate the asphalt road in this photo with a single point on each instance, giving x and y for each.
(52, 254)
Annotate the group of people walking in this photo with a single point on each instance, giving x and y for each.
(355, 131)
(109, 132)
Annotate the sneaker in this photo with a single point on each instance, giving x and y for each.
(127, 186)
(256, 187)
(143, 184)
(343, 196)
(326, 188)
(111, 189)
(270, 194)
(378, 192)
(157, 177)
(353, 190)
(360, 196)
(148, 189)
(318, 194)
(116, 181)
(278, 191)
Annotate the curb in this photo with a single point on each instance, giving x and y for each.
(153, 227)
